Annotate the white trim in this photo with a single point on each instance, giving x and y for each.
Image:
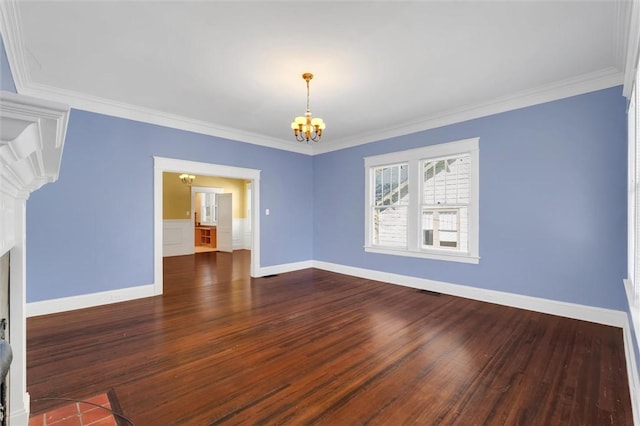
(432, 254)
(547, 306)
(162, 164)
(285, 267)
(32, 138)
(18, 394)
(20, 416)
(413, 158)
(630, 60)
(598, 80)
(634, 307)
(71, 303)
(10, 28)
(569, 310)
(113, 108)
(182, 242)
(32, 134)
(632, 372)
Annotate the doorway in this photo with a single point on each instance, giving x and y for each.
(207, 219)
(252, 176)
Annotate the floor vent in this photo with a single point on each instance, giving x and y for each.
(430, 293)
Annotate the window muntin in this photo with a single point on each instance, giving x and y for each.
(445, 203)
(441, 229)
(391, 199)
(424, 202)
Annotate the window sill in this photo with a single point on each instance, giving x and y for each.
(451, 257)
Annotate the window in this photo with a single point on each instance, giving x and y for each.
(390, 205)
(206, 204)
(424, 202)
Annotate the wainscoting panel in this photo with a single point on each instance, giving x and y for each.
(241, 234)
(177, 237)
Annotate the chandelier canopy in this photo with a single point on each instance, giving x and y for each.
(306, 128)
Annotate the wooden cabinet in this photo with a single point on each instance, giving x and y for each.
(205, 236)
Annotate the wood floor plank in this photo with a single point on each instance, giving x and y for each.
(315, 347)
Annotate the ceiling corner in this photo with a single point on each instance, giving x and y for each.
(12, 36)
(628, 41)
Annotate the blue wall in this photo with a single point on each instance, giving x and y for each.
(6, 78)
(552, 209)
(92, 230)
(552, 202)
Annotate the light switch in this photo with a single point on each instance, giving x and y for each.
(266, 212)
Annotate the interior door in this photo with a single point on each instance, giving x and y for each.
(224, 223)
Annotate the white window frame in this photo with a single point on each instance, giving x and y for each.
(632, 283)
(415, 157)
(214, 206)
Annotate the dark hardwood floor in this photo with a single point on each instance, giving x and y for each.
(315, 347)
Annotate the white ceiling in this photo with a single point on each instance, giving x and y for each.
(233, 69)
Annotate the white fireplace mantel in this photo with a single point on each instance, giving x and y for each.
(32, 133)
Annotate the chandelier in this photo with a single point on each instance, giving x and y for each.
(307, 128)
(187, 179)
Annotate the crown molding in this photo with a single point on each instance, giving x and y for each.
(32, 134)
(632, 51)
(602, 79)
(10, 27)
(147, 115)
(12, 35)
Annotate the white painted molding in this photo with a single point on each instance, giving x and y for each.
(113, 108)
(593, 314)
(602, 79)
(64, 304)
(162, 164)
(285, 267)
(597, 80)
(570, 310)
(632, 373)
(630, 60)
(20, 416)
(547, 306)
(31, 141)
(178, 237)
(32, 133)
(10, 28)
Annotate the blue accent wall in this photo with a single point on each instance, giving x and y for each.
(6, 78)
(92, 230)
(553, 215)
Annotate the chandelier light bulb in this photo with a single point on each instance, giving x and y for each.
(307, 128)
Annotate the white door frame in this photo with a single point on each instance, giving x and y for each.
(162, 164)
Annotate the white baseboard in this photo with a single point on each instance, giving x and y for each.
(632, 373)
(570, 310)
(89, 300)
(287, 267)
(609, 317)
(20, 416)
(547, 306)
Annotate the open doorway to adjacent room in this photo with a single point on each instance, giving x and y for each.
(211, 208)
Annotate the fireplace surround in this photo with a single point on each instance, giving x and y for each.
(32, 133)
